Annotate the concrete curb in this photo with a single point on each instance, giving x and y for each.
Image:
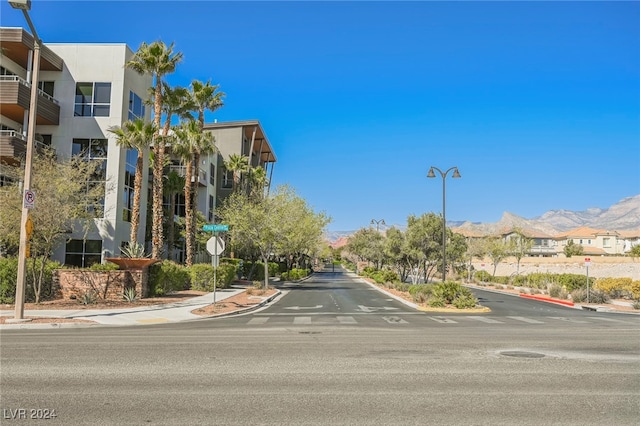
(548, 299)
(240, 311)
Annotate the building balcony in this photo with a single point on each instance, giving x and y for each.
(182, 171)
(15, 97)
(13, 146)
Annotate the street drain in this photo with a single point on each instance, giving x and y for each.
(522, 354)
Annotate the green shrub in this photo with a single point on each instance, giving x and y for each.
(167, 277)
(615, 287)
(598, 296)
(557, 292)
(437, 302)
(294, 274)
(202, 276)
(482, 276)
(9, 277)
(103, 267)
(465, 301)
(579, 295)
(571, 281)
(257, 273)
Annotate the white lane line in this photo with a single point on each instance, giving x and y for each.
(528, 320)
(569, 320)
(302, 320)
(258, 321)
(608, 319)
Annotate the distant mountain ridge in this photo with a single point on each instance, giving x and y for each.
(622, 216)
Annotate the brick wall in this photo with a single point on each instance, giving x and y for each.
(108, 285)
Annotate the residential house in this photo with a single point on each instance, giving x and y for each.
(595, 242)
(543, 245)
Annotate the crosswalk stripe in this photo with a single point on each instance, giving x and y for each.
(528, 320)
(484, 319)
(302, 320)
(443, 320)
(258, 320)
(394, 320)
(569, 320)
(347, 320)
(607, 319)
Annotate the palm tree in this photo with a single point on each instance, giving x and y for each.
(205, 96)
(257, 181)
(237, 164)
(173, 185)
(190, 144)
(136, 135)
(158, 60)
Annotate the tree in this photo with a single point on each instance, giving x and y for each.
(136, 135)
(519, 246)
(173, 185)
(573, 249)
(257, 181)
(237, 164)
(66, 203)
(367, 244)
(190, 144)
(394, 251)
(423, 245)
(158, 60)
(476, 247)
(205, 96)
(497, 250)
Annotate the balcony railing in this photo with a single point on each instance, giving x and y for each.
(182, 171)
(27, 84)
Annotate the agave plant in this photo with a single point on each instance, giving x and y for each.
(130, 295)
(133, 251)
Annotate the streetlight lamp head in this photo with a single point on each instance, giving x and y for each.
(431, 173)
(456, 174)
(20, 4)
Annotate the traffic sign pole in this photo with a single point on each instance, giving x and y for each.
(587, 262)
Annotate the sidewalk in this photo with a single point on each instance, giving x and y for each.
(154, 314)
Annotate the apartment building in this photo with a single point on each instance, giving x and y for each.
(85, 90)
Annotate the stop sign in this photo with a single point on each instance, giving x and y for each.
(215, 246)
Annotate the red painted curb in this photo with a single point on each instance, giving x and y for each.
(546, 299)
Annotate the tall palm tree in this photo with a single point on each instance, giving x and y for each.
(158, 60)
(257, 181)
(237, 164)
(173, 185)
(190, 144)
(205, 96)
(136, 135)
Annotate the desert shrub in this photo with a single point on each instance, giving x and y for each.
(390, 276)
(404, 287)
(557, 291)
(167, 277)
(598, 296)
(579, 295)
(636, 305)
(465, 301)
(437, 302)
(482, 276)
(8, 278)
(420, 292)
(614, 287)
(634, 289)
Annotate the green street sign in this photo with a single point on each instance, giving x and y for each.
(212, 227)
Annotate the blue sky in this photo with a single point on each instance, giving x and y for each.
(537, 103)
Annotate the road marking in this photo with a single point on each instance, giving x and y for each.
(347, 320)
(529, 320)
(302, 320)
(298, 308)
(443, 320)
(569, 320)
(394, 320)
(258, 321)
(484, 319)
(607, 319)
(369, 309)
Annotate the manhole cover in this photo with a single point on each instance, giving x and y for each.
(522, 354)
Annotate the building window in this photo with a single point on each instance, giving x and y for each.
(212, 174)
(227, 179)
(606, 242)
(83, 253)
(93, 150)
(211, 207)
(129, 178)
(46, 87)
(136, 107)
(92, 99)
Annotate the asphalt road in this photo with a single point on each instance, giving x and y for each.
(557, 366)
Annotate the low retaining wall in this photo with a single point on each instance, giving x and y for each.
(107, 285)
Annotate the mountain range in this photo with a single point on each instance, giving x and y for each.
(622, 216)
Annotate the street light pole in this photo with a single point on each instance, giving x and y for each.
(25, 6)
(378, 223)
(456, 174)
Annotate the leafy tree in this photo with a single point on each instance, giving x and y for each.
(367, 245)
(158, 60)
(635, 251)
(573, 249)
(66, 201)
(136, 135)
(476, 247)
(519, 246)
(497, 250)
(423, 245)
(394, 252)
